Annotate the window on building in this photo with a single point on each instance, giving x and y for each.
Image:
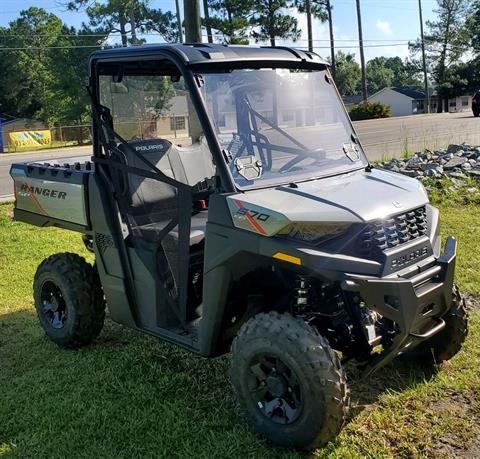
(418, 106)
(464, 101)
(177, 123)
(288, 116)
(221, 122)
(453, 103)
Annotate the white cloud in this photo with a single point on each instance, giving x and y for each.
(384, 27)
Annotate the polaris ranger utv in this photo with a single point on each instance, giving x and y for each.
(230, 206)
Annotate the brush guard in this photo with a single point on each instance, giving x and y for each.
(415, 303)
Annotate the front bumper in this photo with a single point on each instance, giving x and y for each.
(415, 300)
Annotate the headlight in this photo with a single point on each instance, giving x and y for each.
(314, 232)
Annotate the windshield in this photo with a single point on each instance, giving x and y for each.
(280, 125)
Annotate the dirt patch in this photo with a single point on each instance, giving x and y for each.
(472, 451)
(473, 303)
(463, 438)
(7, 212)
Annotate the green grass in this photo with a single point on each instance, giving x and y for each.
(130, 395)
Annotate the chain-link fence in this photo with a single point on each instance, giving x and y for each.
(171, 128)
(43, 138)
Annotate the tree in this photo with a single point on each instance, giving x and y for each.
(348, 75)
(313, 9)
(390, 71)
(127, 17)
(447, 40)
(473, 26)
(378, 77)
(44, 70)
(231, 19)
(270, 21)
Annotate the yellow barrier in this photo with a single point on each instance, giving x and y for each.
(30, 138)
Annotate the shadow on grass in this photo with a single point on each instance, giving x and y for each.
(397, 376)
(130, 395)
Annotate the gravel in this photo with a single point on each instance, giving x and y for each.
(457, 162)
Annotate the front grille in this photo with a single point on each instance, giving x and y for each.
(399, 229)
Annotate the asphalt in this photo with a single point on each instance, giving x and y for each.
(385, 138)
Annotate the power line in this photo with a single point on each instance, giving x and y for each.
(40, 48)
(157, 34)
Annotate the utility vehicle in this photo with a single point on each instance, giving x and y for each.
(230, 206)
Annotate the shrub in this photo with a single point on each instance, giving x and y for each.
(370, 111)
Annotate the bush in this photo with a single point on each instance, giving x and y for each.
(370, 111)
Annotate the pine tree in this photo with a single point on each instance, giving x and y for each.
(313, 9)
(270, 21)
(128, 17)
(231, 19)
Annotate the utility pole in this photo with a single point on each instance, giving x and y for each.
(1, 135)
(425, 73)
(362, 56)
(179, 22)
(193, 28)
(332, 42)
(308, 10)
(207, 21)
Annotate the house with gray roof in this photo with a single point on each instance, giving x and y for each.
(410, 100)
(403, 101)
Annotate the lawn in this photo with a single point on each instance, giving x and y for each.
(130, 395)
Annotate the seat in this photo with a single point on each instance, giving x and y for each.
(198, 228)
(153, 203)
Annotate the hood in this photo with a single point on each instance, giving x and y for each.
(354, 197)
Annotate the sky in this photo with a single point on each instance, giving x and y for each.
(387, 24)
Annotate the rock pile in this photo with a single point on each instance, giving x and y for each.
(456, 162)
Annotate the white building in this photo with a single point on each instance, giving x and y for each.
(405, 101)
(402, 101)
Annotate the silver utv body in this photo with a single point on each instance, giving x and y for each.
(142, 204)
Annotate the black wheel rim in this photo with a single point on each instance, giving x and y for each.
(53, 304)
(275, 389)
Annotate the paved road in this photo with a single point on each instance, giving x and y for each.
(381, 138)
(390, 137)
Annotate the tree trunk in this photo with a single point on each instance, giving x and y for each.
(123, 32)
(207, 21)
(231, 29)
(133, 26)
(80, 137)
(443, 58)
(440, 104)
(179, 22)
(271, 23)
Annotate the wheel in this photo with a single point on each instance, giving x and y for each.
(476, 114)
(288, 381)
(69, 300)
(448, 342)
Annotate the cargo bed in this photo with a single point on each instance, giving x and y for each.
(52, 194)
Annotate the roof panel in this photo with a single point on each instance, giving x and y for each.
(197, 53)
